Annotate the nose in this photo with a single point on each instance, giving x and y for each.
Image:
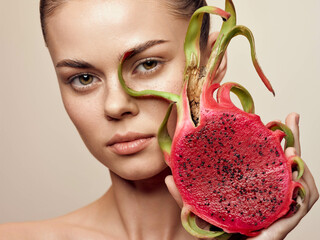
(118, 104)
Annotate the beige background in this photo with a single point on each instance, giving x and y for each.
(46, 171)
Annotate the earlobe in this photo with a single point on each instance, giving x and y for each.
(223, 66)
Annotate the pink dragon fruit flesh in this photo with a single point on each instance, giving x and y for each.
(229, 168)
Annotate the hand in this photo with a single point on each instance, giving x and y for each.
(281, 228)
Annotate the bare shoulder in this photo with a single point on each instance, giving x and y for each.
(47, 230)
(23, 231)
(87, 223)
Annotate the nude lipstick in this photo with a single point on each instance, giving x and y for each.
(129, 143)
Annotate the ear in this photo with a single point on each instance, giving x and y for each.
(223, 66)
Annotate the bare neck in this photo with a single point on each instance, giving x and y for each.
(145, 209)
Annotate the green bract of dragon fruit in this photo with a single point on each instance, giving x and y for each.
(229, 168)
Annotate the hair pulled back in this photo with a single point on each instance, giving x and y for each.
(180, 8)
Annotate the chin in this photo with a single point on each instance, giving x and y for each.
(145, 172)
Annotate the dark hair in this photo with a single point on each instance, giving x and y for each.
(180, 8)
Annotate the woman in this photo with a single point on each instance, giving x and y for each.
(86, 40)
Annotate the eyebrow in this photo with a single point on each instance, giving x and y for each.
(76, 63)
(142, 47)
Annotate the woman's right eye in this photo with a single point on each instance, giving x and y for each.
(147, 66)
(83, 82)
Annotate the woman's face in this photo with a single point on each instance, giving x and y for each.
(86, 40)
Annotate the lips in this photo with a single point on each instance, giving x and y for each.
(129, 143)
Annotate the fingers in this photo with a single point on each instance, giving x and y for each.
(279, 229)
(173, 190)
(292, 121)
(312, 188)
(307, 181)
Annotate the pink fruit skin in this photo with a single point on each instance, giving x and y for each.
(231, 169)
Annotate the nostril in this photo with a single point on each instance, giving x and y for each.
(125, 113)
(111, 118)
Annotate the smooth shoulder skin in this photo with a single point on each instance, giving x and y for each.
(48, 230)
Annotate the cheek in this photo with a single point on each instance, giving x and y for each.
(172, 122)
(85, 114)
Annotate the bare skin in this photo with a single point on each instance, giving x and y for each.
(138, 205)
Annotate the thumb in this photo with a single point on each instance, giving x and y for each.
(173, 190)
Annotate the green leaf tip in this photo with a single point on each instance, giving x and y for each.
(189, 223)
(289, 138)
(241, 92)
(297, 163)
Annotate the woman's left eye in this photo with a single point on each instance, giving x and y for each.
(147, 66)
(83, 82)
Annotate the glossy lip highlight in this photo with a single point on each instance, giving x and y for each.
(129, 143)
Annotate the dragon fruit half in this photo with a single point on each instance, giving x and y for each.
(230, 169)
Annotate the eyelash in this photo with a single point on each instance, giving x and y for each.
(146, 71)
(82, 87)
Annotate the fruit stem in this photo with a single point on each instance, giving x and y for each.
(194, 75)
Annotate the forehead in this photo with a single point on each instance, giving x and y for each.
(108, 25)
